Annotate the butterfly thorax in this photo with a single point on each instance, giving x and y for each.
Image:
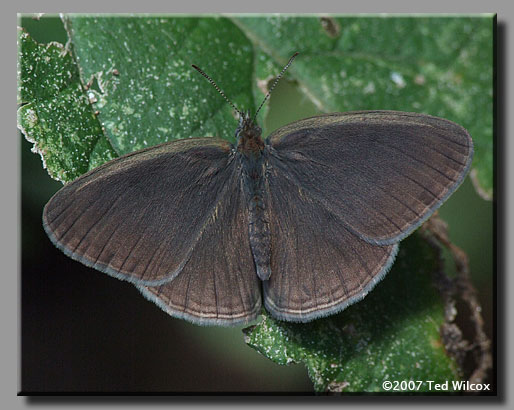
(249, 140)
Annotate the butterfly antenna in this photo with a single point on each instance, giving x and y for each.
(274, 84)
(218, 89)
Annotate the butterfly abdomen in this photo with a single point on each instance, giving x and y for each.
(260, 238)
(258, 225)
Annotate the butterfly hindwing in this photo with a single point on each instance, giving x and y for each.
(318, 265)
(218, 285)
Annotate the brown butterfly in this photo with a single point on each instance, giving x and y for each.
(306, 221)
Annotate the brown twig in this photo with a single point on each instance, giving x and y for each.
(462, 287)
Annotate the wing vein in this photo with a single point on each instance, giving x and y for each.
(414, 159)
(92, 226)
(321, 201)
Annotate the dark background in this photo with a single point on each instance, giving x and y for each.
(85, 331)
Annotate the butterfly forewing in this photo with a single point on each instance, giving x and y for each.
(381, 172)
(140, 216)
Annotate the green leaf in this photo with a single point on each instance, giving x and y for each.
(56, 115)
(393, 334)
(265, 71)
(441, 66)
(148, 91)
